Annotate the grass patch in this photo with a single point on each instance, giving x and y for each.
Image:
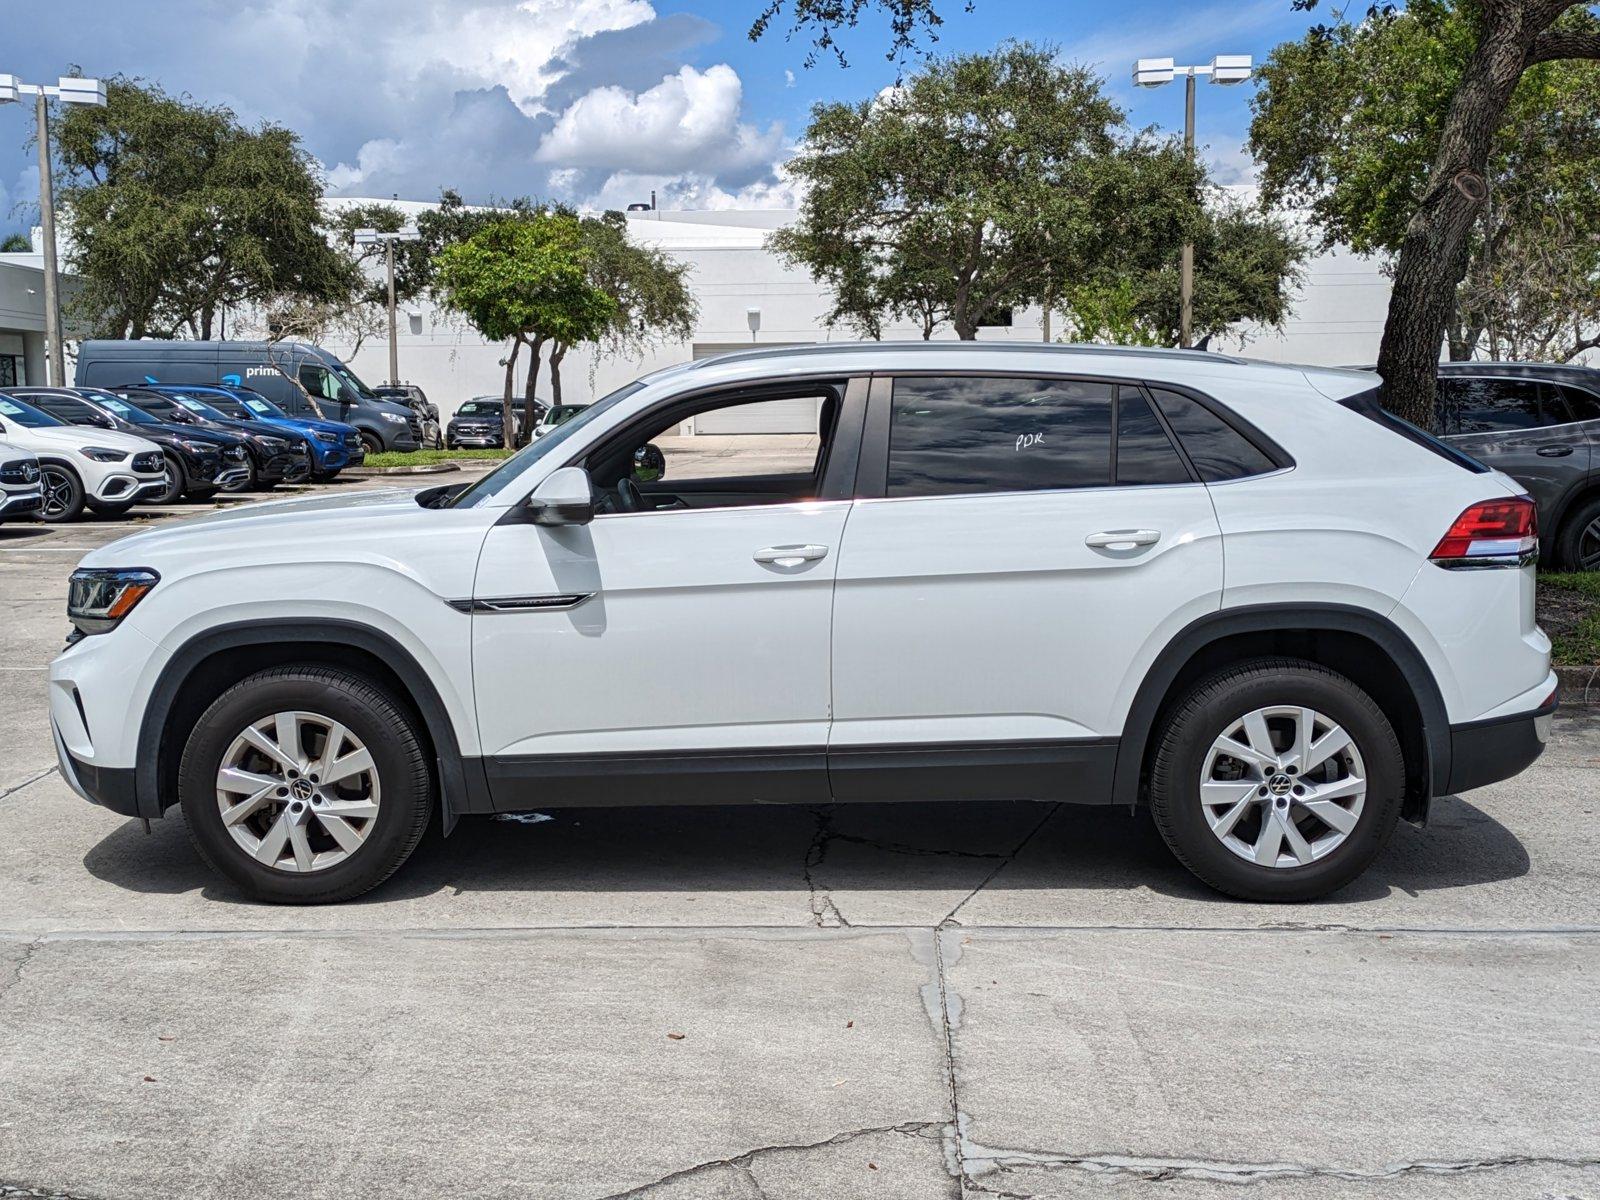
(1569, 611)
(423, 458)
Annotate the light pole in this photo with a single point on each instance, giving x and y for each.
(1154, 72)
(69, 89)
(371, 237)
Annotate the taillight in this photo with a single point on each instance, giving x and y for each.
(1494, 533)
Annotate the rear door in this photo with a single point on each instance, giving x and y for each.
(1022, 549)
(1519, 426)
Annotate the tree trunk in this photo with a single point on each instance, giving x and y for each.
(207, 315)
(556, 355)
(1433, 254)
(529, 419)
(508, 437)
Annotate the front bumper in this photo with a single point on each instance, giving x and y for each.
(232, 476)
(287, 467)
(14, 504)
(122, 488)
(109, 787)
(483, 441)
(1485, 752)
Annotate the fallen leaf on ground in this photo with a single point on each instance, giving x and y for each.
(677, 1037)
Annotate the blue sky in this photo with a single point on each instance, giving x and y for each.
(594, 101)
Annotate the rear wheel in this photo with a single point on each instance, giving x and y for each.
(1578, 546)
(1277, 780)
(305, 785)
(63, 493)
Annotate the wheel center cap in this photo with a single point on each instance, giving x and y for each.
(302, 789)
(1280, 784)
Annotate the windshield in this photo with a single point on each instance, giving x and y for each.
(564, 412)
(347, 379)
(264, 408)
(201, 409)
(479, 408)
(508, 472)
(120, 408)
(25, 415)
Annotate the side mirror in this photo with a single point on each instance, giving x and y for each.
(649, 464)
(565, 498)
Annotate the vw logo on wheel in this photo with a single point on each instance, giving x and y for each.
(1280, 784)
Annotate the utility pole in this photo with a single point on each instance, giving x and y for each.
(69, 89)
(372, 237)
(1154, 72)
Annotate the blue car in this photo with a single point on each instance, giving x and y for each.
(334, 445)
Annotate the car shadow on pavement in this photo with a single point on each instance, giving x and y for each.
(863, 848)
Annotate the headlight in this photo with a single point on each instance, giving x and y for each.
(99, 597)
(395, 417)
(101, 454)
(195, 447)
(268, 443)
(333, 439)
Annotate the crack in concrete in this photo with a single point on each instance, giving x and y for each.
(28, 951)
(825, 913)
(983, 1160)
(17, 1191)
(1005, 861)
(742, 1162)
(48, 771)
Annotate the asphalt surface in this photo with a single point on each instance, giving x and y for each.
(877, 1001)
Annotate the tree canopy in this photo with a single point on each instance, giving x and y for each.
(913, 24)
(175, 210)
(986, 182)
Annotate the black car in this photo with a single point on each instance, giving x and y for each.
(478, 424)
(278, 456)
(1540, 424)
(417, 401)
(200, 462)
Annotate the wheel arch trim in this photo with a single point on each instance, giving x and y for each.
(462, 786)
(1153, 691)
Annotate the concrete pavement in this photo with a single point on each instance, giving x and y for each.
(879, 1001)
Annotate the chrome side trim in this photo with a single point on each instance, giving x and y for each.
(1488, 562)
(513, 604)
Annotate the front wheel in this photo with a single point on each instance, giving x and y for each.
(371, 444)
(63, 493)
(1277, 780)
(304, 785)
(1578, 546)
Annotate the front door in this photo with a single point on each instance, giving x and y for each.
(996, 607)
(674, 649)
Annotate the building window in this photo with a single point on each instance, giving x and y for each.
(10, 370)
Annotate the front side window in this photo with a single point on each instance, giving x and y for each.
(962, 435)
(26, 415)
(1217, 450)
(1493, 406)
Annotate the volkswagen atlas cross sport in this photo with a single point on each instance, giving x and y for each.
(1242, 594)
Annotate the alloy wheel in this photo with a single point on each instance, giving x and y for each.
(58, 492)
(1283, 786)
(1589, 547)
(298, 791)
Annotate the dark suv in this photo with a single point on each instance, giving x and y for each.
(1540, 424)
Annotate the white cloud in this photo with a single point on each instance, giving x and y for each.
(688, 121)
(788, 78)
(694, 190)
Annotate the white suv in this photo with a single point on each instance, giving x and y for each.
(101, 468)
(1239, 593)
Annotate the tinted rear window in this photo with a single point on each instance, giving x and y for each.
(965, 434)
(1370, 405)
(1145, 454)
(1217, 450)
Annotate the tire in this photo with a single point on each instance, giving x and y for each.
(175, 478)
(63, 493)
(1578, 544)
(1327, 857)
(397, 786)
(372, 444)
(201, 494)
(248, 482)
(102, 509)
(324, 476)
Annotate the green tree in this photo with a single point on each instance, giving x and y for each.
(991, 181)
(911, 23)
(177, 210)
(16, 243)
(1436, 134)
(521, 279)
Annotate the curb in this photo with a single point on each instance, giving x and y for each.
(1579, 685)
(425, 469)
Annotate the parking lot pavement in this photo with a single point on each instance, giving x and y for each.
(878, 1001)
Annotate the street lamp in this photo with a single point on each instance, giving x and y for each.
(69, 89)
(1154, 72)
(372, 237)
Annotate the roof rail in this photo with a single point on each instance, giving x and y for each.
(826, 349)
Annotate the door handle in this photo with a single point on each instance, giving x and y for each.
(1554, 451)
(790, 556)
(1123, 539)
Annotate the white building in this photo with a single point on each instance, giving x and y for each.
(21, 319)
(748, 297)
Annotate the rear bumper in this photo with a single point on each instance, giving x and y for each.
(1485, 752)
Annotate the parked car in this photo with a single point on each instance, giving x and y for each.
(1240, 593)
(199, 462)
(1540, 424)
(102, 469)
(277, 456)
(305, 381)
(555, 415)
(21, 493)
(333, 446)
(427, 412)
(479, 424)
